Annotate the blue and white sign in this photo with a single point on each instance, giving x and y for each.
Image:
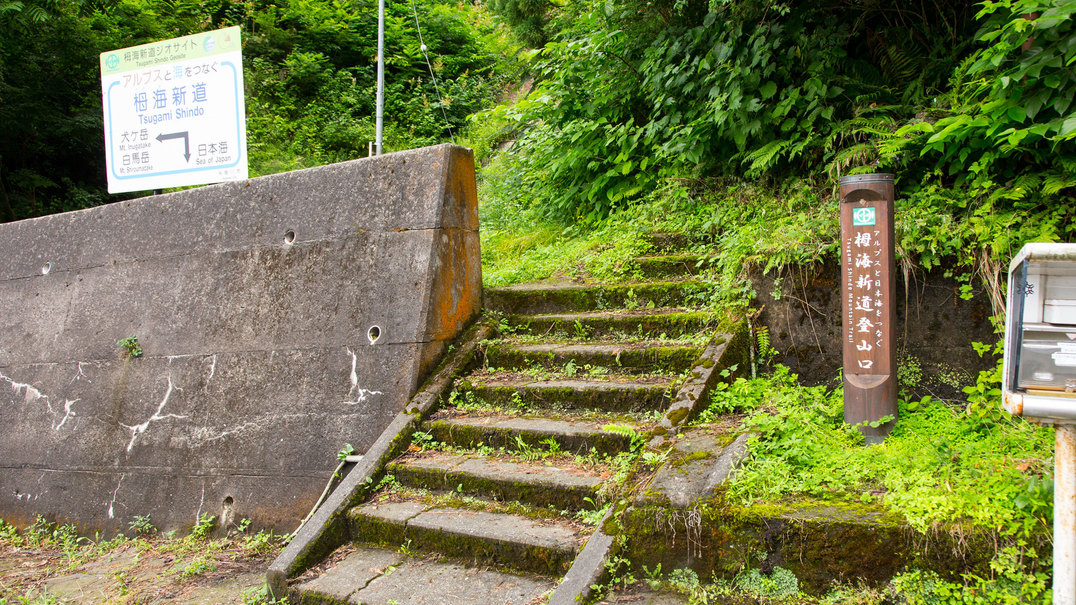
(174, 112)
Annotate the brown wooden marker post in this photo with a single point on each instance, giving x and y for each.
(868, 279)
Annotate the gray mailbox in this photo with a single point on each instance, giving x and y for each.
(1039, 379)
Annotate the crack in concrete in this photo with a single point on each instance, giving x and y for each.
(115, 493)
(203, 434)
(138, 429)
(358, 392)
(380, 574)
(32, 393)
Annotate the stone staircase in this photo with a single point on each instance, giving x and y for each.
(496, 487)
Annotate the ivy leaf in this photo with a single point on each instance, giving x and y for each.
(1017, 114)
(768, 89)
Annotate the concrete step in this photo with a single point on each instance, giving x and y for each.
(561, 296)
(610, 395)
(377, 576)
(670, 266)
(621, 357)
(545, 546)
(576, 436)
(562, 484)
(620, 325)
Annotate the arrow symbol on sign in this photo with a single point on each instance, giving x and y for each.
(185, 135)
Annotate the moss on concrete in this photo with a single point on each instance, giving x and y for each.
(820, 541)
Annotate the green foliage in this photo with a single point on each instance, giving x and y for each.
(130, 347)
(626, 101)
(308, 68)
(204, 526)
(937, 468)
(1010, 583)
(141, 524)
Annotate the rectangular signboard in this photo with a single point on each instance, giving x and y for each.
(174, 112)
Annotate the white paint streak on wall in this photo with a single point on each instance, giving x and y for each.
(31, 393)
(198, 515)
(206, 435)
(357, 394)
(68, 412)
(112, 504)
(138, 429)
(212, 369)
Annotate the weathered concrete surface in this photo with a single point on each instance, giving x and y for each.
(253, 303)
(534, 545)
(374, 576)
(819, 542)
(537, 483)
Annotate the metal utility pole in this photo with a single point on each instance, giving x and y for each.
(380, 112)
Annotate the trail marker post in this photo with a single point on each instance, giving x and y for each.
(868, 280)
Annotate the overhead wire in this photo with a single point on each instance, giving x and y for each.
(433, 76)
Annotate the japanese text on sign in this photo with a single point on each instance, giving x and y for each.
(866, 301)
(174, 112)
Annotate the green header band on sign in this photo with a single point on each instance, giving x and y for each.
(187, 48)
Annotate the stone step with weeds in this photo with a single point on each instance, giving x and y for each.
(499, 430)
(560, 296)
(670, 243)
(622, 357)
(376, 576)
(562, 484)
(676, 265)
(570, 394)
(644, 325)
(546, 546)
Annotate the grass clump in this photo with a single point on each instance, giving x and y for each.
(938, 467)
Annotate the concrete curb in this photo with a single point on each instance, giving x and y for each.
(720, 354)
(328, 529)
(588, 569)
(726, 463)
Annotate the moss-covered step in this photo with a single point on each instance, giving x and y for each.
(621, 325)
(499, 430)
(545, 546)
(672, 265)
(604, 395)
(560, 484)
(621, 357)
(378, 576)
(820, 542)
(559, 296)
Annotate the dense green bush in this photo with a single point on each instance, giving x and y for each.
(978, 129)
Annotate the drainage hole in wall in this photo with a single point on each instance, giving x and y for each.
(227, 514)
(289, 237)
(46, 268)
(374, 334)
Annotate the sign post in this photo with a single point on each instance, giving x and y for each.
(868, 279)
(174, 112)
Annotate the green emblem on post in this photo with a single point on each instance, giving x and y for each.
(863, 217)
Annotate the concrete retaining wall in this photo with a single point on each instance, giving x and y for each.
(253, 302)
